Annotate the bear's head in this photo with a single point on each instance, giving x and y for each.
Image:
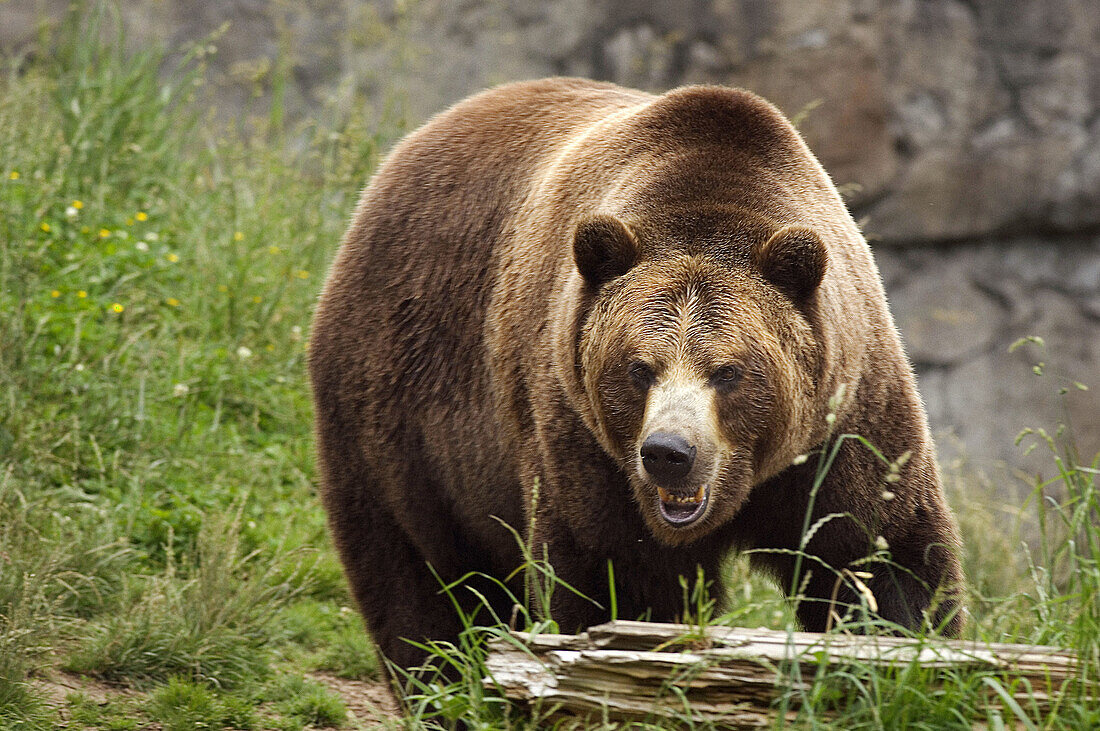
(698, 365)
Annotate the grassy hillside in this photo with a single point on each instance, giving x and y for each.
(157, 520)
(159, 530)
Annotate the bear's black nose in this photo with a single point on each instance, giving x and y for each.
(667, 457)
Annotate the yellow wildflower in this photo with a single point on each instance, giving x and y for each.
(172, 302)
(238, 236)
(55, 294)
(104, 233)
(14, 175)
(173, 258)
(273, 249)
(78, 205)
(257, 299)
(45, 227)
(117, 307)
(82, 294)
(142, 216)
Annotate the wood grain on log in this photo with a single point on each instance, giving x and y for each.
(734, 676)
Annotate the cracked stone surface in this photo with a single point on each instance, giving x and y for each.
(946, 319)
(942, 119)
(965, 135)
(961, 310)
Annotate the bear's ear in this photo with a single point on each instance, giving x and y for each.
(603, 248)
(794, 260)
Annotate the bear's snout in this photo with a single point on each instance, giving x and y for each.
(667, 457)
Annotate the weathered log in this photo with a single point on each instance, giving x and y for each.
(734, 676)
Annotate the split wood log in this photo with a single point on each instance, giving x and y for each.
(733, 676)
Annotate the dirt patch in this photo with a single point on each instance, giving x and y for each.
(369, 701)
(55, 686)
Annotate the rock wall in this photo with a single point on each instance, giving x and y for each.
(964, 133)
(962, 309)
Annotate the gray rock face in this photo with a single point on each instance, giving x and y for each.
(943, 119)
(965, 134)
(962, 310)
(945, 315)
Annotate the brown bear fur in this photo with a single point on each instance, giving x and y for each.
(529, 270)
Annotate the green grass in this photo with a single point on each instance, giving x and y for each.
(303, 702)
(182, 705)
(159, 530)
(157, 512)
(111, 715)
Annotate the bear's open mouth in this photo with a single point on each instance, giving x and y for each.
(680, 510)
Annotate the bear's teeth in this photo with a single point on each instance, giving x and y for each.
(668, 497)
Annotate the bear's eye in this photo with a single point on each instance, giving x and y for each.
(641, 375)
(726, 377)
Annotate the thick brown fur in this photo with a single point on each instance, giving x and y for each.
(510, 264)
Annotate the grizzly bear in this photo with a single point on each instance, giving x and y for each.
(655, 315)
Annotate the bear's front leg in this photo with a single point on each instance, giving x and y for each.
(570, 582)
(649, 576)
(890, 552)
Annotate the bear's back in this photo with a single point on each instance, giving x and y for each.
(406, 293)
(399, 368)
